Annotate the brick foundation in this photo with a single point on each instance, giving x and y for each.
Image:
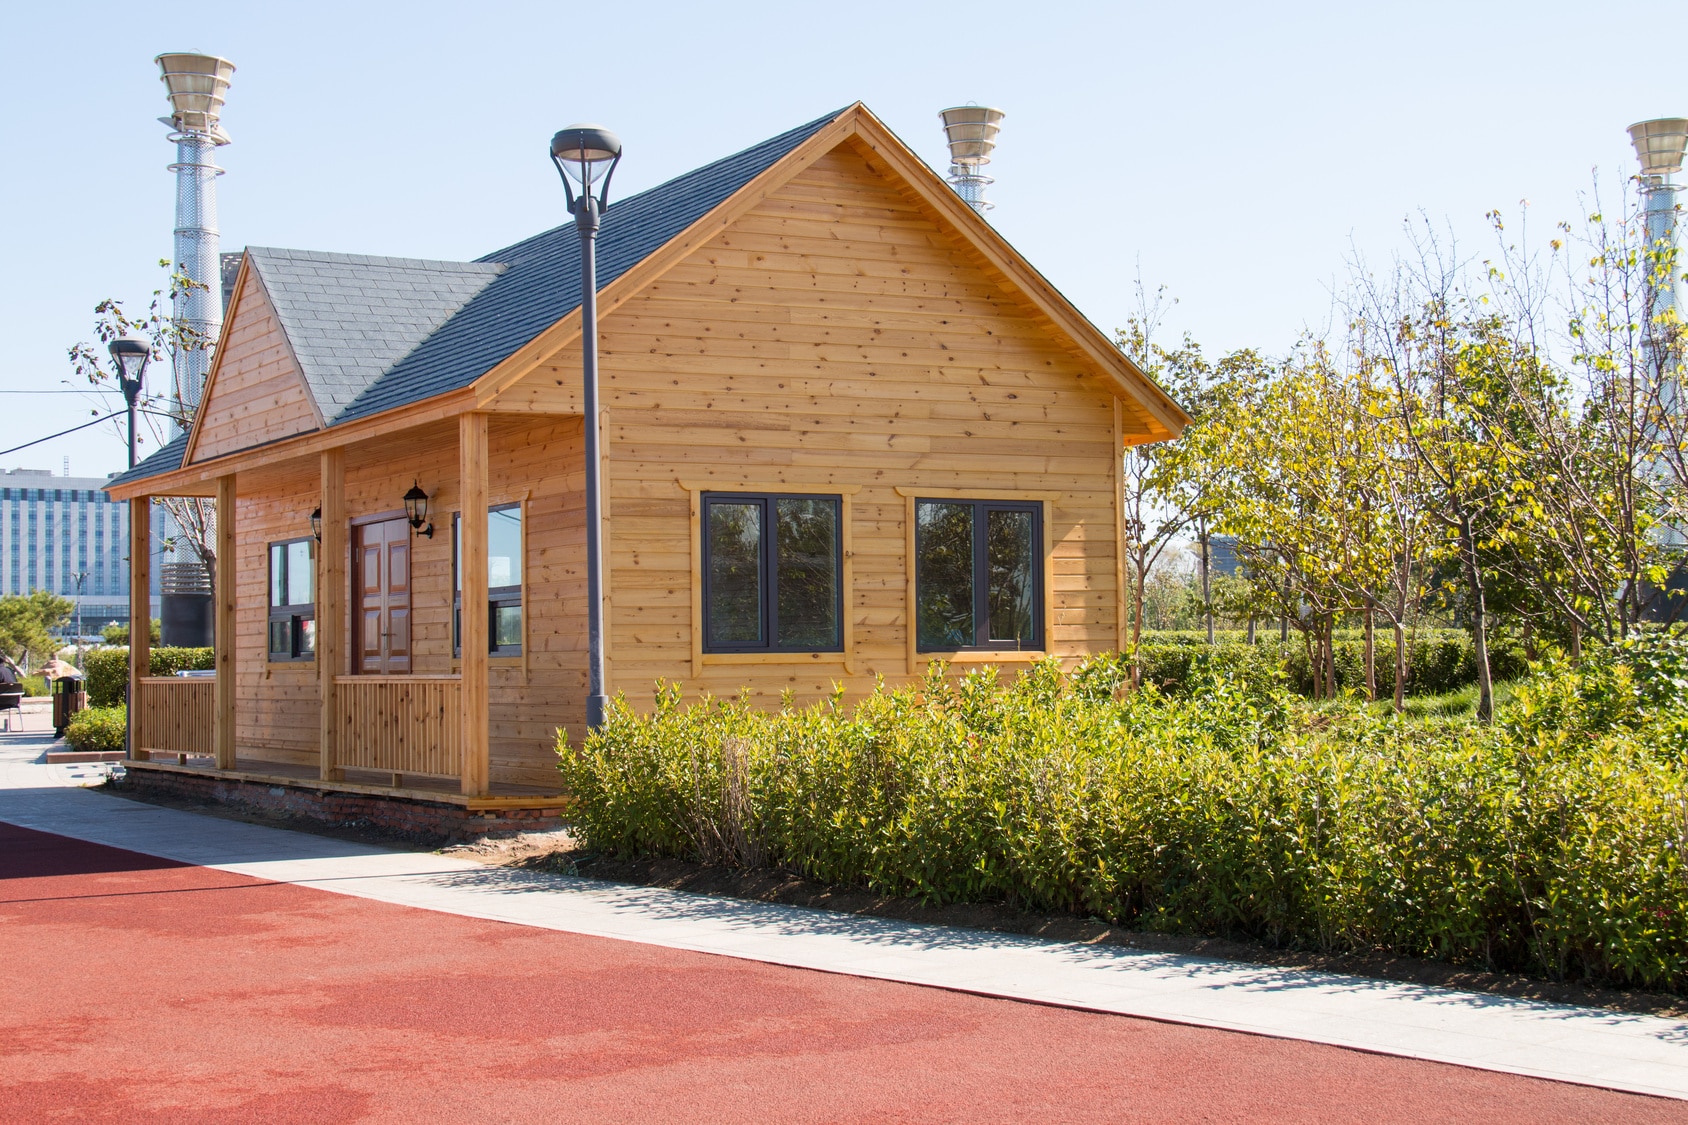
(426, 821)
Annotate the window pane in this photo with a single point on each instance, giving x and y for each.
(943, 549)
(281, 636)
(807, 576)
(278, 575)
(504, 547)
(1011, 592)
(300, 574)
(734, 537)
(457, 551)
(506, 626)
(307, 635)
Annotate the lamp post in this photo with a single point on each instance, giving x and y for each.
(580, 153)
(81, 578)
(130, 355)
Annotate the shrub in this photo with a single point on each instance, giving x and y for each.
(107, 669)
(96, 729)
(1224, 810)
(35, 685)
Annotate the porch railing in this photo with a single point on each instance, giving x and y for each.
(176, 715)
(401, 724)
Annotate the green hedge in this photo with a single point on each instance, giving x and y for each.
(108, 670)
(1548, 844)
(1438, 661)
(96, 729)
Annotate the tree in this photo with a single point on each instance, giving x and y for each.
(194, 517)
(1286, 493)
(26, 621)
(1170, 487)
(118, 635)
(1435, 344)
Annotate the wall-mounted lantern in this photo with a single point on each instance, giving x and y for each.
(416, 509)
(316, 524)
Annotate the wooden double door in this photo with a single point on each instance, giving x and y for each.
(381, 597)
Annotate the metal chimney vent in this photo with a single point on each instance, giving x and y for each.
(1659, 144)
(971, 131)
(196, 84)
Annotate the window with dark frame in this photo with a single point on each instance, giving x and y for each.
(292, 627)
(504, 581)
(978, 575)
(773, 569)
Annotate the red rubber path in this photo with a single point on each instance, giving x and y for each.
(138, 990)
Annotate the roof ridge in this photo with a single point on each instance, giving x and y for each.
(280, 253)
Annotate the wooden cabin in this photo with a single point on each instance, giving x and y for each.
(847, 430)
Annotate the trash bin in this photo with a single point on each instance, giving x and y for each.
(68, 698)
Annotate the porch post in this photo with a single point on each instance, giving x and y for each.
(140, 613)
(472, 529)
(330, 605)
(225, 626)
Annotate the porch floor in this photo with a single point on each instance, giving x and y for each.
(376, 782)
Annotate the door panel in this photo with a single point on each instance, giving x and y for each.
(383, 598)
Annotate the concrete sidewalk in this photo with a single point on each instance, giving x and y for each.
(1628, 1052)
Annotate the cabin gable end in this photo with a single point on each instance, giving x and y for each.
(256, 393)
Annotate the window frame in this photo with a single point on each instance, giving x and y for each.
(498, 597)
(767, 572)
(294, 614)
(981, 506)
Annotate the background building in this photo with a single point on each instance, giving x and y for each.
(57, 530)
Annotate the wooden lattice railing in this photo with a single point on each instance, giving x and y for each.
(177, 715)
(401, 724)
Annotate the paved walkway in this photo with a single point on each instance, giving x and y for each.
(1625, 1052)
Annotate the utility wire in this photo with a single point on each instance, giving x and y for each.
(62, 433)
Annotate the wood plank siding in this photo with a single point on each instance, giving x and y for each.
(835, 337)
(257, 393)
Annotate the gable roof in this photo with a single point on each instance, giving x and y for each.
(373, 334)
(352, 318)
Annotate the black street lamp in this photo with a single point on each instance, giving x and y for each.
(130, 354)
(581, 153)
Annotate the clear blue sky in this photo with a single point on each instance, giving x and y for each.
(1233, 150)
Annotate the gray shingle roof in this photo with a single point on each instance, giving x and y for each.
(374, 334)
(349, 317)
(166, 458)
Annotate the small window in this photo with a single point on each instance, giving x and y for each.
(772, 568)
(977, 575)
(293, 600)
(503, 578)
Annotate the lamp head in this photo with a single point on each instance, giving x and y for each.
(130, 354)
(586, 154)
(580, 149)
(416, 510)
(316, 524)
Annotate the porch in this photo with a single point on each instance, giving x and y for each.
(394, 694)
